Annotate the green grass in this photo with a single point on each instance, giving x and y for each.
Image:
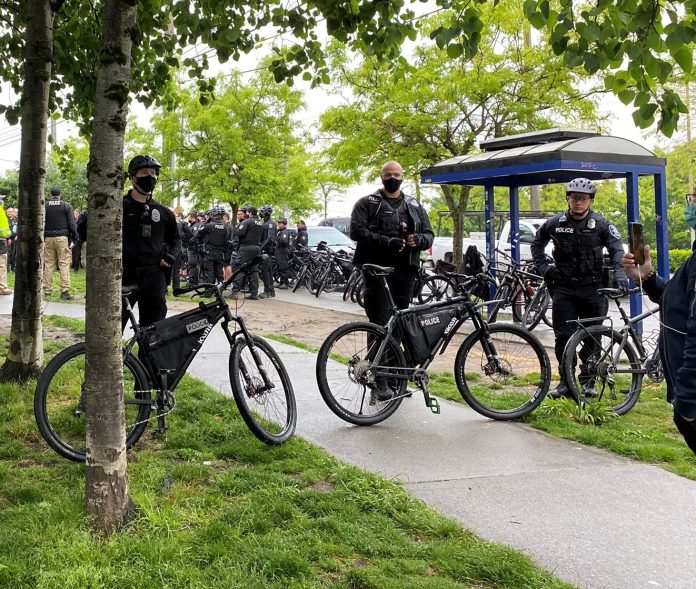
(217, 508)
(291, 341)
(646, 433)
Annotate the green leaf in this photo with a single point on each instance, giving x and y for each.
(626, 96)
(684, 56)
(644, 116)
(537, 20)
(454, 50)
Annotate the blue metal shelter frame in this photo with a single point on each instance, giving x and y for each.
(555, 156)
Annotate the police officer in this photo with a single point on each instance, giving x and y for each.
(390, 229)
(60, 234)
(192, 258)
(249, 233)
(283, 251)
(215, 238)
(302, 238)
(151, 242)
(268, 245)
(579, 236)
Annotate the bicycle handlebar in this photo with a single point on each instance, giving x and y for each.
(208, 287)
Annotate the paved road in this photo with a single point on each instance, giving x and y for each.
(588, 516)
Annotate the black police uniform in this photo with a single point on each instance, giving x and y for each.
(214, 237)
(249, 233)
(193, 255)
(268, 246)
(374, 221)
(302, 238)
(579, 258)
(283, 251)
(149, 236)
(60, 221)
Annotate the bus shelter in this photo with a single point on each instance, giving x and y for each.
(557, 156)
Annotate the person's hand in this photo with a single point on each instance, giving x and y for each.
(552, 273)
(396, 244)
(622, 285)
(637, 271)
(164, 264)
(413, 240)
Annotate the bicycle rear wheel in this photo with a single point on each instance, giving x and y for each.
(345, 371)
(503, 372)
(436, 288)
(60, 404)
(502, 295)
(270, 414)
(599, 367)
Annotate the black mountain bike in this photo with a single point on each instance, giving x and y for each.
(259, 381)
(611, 362)
(502, 371)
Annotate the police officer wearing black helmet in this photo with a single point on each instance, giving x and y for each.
(215, 239)
(268, 246)
(151, 241)
(579, 236)
(249, 232)
(283, 251)
(390, 229)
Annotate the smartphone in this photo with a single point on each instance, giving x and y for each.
(635, 242)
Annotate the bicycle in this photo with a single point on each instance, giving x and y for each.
(502, 371)
(516, 289)
(612, 362)
(260, 384)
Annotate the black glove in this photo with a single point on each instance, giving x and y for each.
(552, 274)
(395, 243)
(622, 285)
(418, 239)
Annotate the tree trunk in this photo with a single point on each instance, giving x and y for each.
(107, 497)
(25, 354)
(457, 207)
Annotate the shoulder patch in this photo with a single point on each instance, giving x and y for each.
(614, 232)
(373, 198)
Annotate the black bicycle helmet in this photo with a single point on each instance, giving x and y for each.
(143, 161)
(266, 211)
(283, 220)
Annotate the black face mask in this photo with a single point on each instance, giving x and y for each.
(391, 185)
(146, 183)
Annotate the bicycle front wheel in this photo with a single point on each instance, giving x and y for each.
(60, 404)
(346, 372)
(599, 366)
(537, 307)
(503, 372)
(269, 412)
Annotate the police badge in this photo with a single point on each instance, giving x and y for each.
(155, 215)
(591, 224)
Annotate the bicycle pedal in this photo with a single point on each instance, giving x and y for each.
(434, 405)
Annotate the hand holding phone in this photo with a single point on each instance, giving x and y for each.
(636, 244)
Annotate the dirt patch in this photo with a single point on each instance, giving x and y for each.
(50, 332)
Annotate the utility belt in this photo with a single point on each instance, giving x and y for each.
(586, 281)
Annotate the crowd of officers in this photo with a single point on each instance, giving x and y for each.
(214, 246)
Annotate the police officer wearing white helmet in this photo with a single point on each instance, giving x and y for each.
(579, 237)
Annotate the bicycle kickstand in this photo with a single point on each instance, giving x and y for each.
(421, 379)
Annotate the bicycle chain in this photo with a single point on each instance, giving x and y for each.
(170, 401)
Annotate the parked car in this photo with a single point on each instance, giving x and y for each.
(340, 223)
(333, 238)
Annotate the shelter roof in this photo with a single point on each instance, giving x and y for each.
(546, 157)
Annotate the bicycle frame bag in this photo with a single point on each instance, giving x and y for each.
(421, 331)
(170, 342)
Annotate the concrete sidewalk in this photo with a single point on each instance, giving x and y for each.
(590, 517)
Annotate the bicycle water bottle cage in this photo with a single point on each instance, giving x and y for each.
(375, 270)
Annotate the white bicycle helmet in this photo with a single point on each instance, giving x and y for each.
(581, 186)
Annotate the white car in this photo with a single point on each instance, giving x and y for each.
(333, 237)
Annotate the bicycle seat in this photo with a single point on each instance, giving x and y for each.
(127, 289)
(375, 270)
